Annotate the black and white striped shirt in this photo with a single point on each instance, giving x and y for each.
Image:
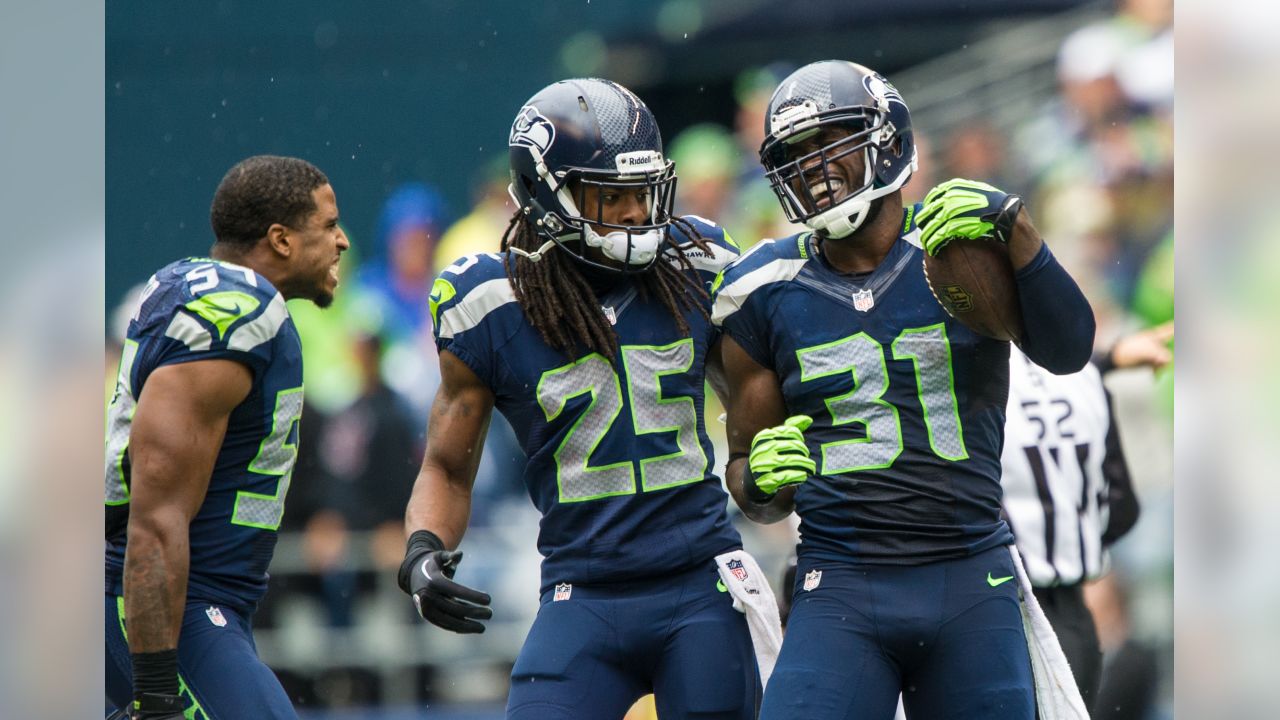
(1067, 493)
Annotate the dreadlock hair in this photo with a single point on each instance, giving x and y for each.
(559, 303)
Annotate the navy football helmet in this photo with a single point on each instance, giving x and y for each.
(858, 101)
(590, 136)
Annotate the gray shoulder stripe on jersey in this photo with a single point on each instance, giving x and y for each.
(262, 329)
(766, 242)
(715, 262)
(475, 306)
(913, 237)
(733, 296)
(188, 331)
(250, 276)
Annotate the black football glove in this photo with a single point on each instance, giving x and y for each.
(427, 575)
(155, 706)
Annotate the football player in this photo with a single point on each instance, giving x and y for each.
(857, 401)
(590, 332)
(201, 441)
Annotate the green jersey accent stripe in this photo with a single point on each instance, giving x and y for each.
(442, 291)
(223, 309)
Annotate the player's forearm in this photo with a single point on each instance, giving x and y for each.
(155, 581)
(440, 503)
(1025, 242)
(778, 507)
(1058, 323)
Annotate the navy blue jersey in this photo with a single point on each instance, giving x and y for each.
(619, 462)
(908, 404)
(202, 309)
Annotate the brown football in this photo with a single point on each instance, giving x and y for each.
(973, 281)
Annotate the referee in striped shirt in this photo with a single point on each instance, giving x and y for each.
(1067, 493)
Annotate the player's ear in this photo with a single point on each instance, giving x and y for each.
(279, 240)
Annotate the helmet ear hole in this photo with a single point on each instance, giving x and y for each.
(529, 186)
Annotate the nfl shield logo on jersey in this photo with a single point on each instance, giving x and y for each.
(862, 300)
(811, 579)
(740, 572)
(563, 591)
(609, 314)
(215, 616)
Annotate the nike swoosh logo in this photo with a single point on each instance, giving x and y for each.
(720, 586)
(233, 310)
(997, 581)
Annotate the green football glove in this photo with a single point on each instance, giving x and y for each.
(779, 457)
(966, 209)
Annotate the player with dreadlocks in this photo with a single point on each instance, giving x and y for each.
(590, 332)
(554, 290)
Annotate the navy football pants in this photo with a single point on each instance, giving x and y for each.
(947, 635)
(590, 656)
(221, 675)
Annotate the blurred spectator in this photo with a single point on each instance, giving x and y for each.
(372, 450)
(927, 172)
(392, 287)
(1153, 298)
(1153, 305)
(707, 161)
(752, 89)
(1102, 155)
(330, 375)
(365, 458)
(754, 213)
(1146, 71)
(395, 279)
(481, 229)
(976, 150)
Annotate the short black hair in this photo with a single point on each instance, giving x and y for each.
(260, 191)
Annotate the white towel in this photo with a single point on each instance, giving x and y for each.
(1057, 695)
(753, 597)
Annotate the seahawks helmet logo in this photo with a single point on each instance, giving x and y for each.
(882, 90)
(532, 130)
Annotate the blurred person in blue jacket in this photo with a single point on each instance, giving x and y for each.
(396, 278)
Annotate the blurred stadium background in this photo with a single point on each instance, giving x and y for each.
(406, 107)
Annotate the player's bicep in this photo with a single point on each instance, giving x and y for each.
(177, 431)
(755, 396)
(715, 373)
(460, 417)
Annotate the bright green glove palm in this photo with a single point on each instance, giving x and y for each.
(779, 456)
(966, 209)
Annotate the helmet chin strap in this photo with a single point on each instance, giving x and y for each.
(536, 255)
